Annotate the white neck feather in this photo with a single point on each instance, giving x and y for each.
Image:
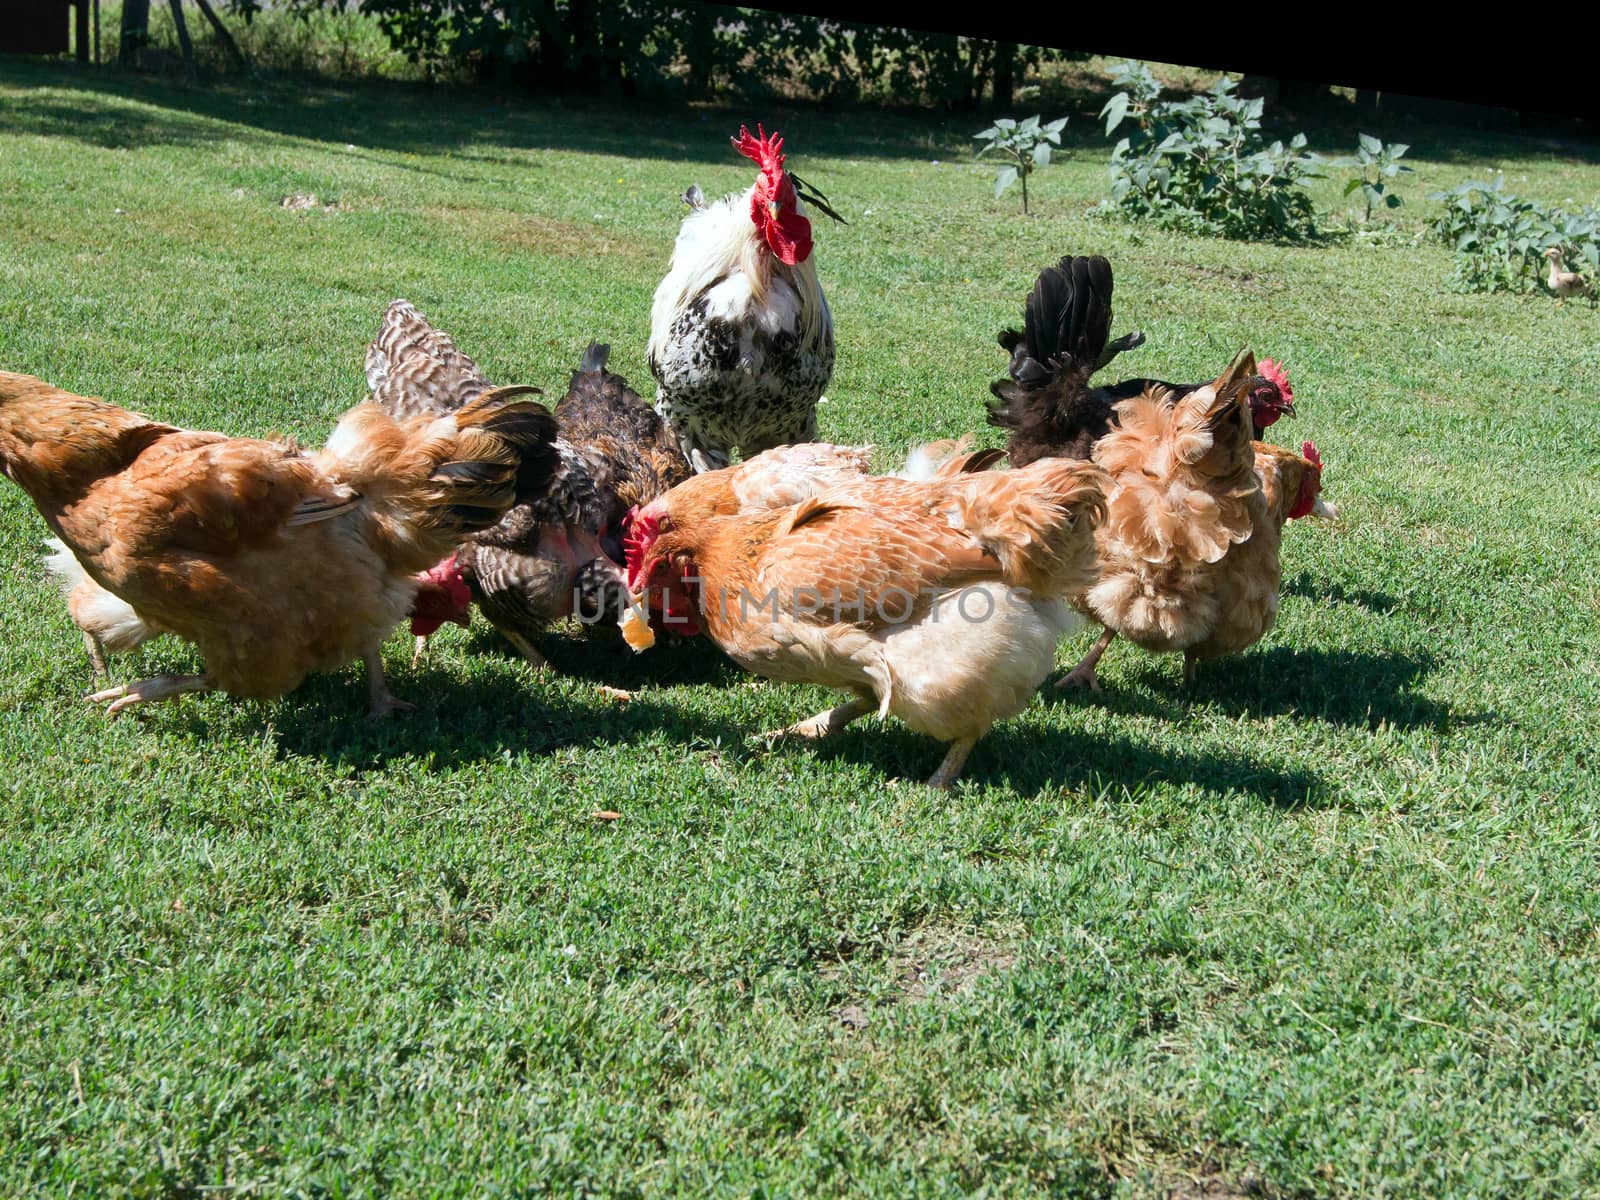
(720, 241)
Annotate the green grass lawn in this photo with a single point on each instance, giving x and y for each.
(1329, 925)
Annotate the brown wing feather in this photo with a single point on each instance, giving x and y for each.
(867, 564)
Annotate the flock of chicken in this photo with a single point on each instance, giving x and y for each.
(938, 594)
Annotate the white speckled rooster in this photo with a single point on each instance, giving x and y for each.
(741, 340)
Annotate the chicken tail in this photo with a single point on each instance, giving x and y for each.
(54, 443)
(595, 357)
(1038, 521)
(413, 368)
(1046, 402)
(1183, 471)
(430, 483)
(947, 459)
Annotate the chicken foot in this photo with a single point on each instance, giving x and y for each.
(525, 648)
(539, 662)
(382, 701)
(1084, 673)
(157, 687)
(97, 654)
(954, 760)
(829, 721)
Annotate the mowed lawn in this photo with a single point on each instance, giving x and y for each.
(1324, 925)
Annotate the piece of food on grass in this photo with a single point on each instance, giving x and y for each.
(635, 625)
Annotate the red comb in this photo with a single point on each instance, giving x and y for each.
(766, 152)
(446, 575)
(1273, 373)
(1309, 453)
(637, 536)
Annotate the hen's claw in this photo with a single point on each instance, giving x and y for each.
(1083, 674)
(1080, 676)
(824, 723)
(156, 688)
(383, 705)
(381, 701)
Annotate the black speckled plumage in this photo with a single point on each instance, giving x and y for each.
(613, 452)
(725, 384)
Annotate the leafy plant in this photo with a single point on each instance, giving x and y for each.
(700, 50)
(1027, 143)
(1500, 239)
(1376, 162)
(1202, 165)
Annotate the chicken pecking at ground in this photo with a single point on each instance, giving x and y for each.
(741, 340)
(561, 553)
(1187, 557)
(1046, 402)
(274, 561)
(934, 600)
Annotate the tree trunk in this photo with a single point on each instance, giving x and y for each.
(135, 32)
(222, 33)
(700, 49)
(552, 68)
(80, 27)
(1005, 76)
(1298, 95)
(190, 74)
(583, 19)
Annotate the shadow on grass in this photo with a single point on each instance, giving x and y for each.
(419, 118)
(415, 117)
(484, 718)
(1344, 687)
(1303, 584)
(600, 656)
(1034, 764)
(457, 723)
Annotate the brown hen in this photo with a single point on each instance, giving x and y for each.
(274, 561)
(935, 601)
(1188, 553)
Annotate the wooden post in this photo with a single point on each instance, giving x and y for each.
(80, 29)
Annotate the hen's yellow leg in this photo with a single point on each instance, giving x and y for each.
(827, 722)
(954, 760)
(382, 700)
(1084, 673)
(158, 687)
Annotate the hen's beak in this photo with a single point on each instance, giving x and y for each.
(1288, 408)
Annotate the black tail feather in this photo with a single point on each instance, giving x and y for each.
(595, 357)
(1047, 403)
(531, 428)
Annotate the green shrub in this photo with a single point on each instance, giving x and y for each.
(690, 49)
(1202, 165)
(1500, 239)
